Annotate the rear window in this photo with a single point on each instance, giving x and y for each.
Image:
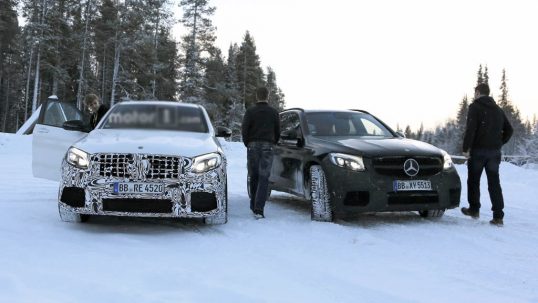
(158, 117)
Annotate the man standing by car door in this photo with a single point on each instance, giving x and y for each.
(487, 131)
(97, 110)
(261, 131)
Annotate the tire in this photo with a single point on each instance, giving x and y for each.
(249, 194)
(433, 213)
(67, 215)
(319, 196)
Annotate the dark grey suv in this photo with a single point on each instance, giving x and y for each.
(349, 162)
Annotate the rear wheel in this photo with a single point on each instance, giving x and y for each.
(319, 195)
(433, 213)
(67, 215)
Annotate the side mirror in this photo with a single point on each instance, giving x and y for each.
(400, 134)
(223, 132)
(75, 125)
(289, 135)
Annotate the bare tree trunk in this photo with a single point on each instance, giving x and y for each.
(36, 81)
(116, 69)
(103, 93)
(155, 44)
(81, 75)
(6, 109)
(29, 71)
(38, 63)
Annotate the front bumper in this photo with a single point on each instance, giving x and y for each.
(359, 192)
(188, 196)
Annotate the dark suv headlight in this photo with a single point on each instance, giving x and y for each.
(447, 160)
(351, 162)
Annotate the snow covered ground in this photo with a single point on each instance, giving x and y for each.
(397, 257)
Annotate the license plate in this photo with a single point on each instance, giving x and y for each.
(412, 185)
(138, 188)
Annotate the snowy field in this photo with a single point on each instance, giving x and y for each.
(397, 257)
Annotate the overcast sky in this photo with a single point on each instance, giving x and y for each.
(406, 62)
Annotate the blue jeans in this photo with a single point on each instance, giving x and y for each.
(488, 159)
(260, 160)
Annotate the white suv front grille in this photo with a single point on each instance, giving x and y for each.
(138, 166)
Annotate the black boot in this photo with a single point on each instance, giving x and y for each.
(497, 221)
(475, 214)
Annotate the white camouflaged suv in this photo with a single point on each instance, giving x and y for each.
(144, 159)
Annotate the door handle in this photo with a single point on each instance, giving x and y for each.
(43, 131)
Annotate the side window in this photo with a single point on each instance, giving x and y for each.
(371, 128)
(289, 121)
(56, 113)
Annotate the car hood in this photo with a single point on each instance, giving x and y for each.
(186, 144)
(385, 147)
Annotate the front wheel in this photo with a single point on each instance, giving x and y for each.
(319, 195)
(433, 213)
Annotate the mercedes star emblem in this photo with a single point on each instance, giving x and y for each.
(411, 167)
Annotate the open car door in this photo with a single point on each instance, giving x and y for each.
(50, 141)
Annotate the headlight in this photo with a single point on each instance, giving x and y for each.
(347, 161)
(447, 160)
(78, 158)
(205, 163)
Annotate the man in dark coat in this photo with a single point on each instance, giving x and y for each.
(487, 131)
(261, 131)
(97, 110)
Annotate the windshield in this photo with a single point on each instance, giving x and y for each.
(345, 124)
(157, 117)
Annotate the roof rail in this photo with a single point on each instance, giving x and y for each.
(293, 108)
(360, 110)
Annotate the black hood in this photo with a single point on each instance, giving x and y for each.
(486, 101)
(379, 146)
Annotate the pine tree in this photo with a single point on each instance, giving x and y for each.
(486, 76)
(461, 120)
(420, 132)
(10, 67)
(234, 107)
(276, 97)
(479, 76)
(408, 132)
(249, 73)
(514, 117)
(199, 41)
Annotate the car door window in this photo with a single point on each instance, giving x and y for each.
(290, 121)
(56, 113)
(372, 129)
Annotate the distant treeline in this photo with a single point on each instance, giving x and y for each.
(449, 136)
(123, 50)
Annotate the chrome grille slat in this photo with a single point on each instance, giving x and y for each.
(138, 166)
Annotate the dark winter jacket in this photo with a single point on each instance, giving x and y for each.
(261, 123)
(487, 125)
(96, 117)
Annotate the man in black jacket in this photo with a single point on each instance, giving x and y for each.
(260, 130)
(97, 110)
(487, 131)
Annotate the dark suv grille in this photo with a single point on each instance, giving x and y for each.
(393, 166)
(138, 166)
